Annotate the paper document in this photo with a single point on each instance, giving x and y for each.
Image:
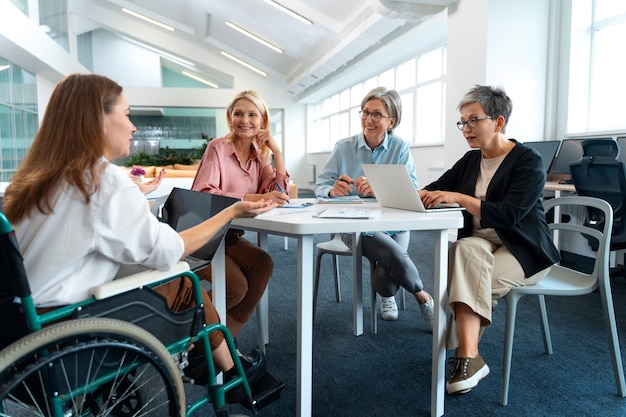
(348, 199)
(349, 213)
(295, 204)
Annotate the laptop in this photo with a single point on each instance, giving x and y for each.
(184, 209)
(394, 189)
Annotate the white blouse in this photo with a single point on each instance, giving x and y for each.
(79, 246)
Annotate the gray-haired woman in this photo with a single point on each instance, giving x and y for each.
(381, 110)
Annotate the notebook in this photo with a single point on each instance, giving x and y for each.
(184, 209)
(393, 188)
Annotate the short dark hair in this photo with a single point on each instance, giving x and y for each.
(494, 101)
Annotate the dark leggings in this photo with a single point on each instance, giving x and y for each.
(394, 267)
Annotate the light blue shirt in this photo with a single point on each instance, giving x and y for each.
(350, 153)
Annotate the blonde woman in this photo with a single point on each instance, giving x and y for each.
(239, 165)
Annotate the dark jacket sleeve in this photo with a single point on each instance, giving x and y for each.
(513, 205)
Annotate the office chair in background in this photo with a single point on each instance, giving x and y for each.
(600, 173)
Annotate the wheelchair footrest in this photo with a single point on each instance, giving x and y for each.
(265, 390)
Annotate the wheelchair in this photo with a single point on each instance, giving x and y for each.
(120, 353)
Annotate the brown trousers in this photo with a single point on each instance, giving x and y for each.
(248, 270)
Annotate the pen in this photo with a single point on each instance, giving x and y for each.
(280, 188)
(341, 179)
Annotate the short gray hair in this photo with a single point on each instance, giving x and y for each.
(392, 101)
(494, 101)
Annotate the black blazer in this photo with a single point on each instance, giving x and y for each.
(513, 204)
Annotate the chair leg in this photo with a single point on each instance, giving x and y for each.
(374, 314)
(337, 282)
(511, 310)
(545, 327)
(403, 298)
(611, 328)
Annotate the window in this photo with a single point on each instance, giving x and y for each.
(18, 116)
(597, 89)
(420, 82)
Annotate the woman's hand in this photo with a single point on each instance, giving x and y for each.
(248, 209)
(341, 187)
(273, 196)
(276, 197)
(265, 139)
(363, 187)
(432, 198)
(149, 186)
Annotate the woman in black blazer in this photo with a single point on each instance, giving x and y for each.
(505, 240)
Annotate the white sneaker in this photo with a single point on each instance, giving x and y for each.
(388, 308)
(428, 312)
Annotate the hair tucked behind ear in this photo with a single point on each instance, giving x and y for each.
(68, 146)
(256, 99)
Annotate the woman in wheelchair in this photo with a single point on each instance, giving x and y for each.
(77, 217)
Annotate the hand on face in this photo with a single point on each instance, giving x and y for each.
(265, 139)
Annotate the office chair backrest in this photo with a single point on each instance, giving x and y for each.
(600, 174)
(601, 148)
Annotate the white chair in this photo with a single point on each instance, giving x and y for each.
(335, 247)
(562, 281)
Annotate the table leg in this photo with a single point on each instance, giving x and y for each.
(439, 324)
(262, 308)
(304, 371)
(218, 286)
(357, 283)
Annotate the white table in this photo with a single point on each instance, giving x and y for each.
(303, 226)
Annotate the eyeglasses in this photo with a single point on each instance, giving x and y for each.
(375, 116)
(471, 122)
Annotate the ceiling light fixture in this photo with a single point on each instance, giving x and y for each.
(147, 19)
(289, 12)
(163, 54)
(253, 36)
(200, 79)
(244, 63)
(4, 67)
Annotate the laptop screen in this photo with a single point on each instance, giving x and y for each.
(187, 208)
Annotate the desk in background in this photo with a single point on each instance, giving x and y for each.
(302, 226)
(557, 187)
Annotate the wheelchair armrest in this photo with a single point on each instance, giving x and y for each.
(137, 280)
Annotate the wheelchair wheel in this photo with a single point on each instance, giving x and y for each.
(93, 366)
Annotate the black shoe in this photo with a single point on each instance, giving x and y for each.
(196, 371)
(254, 366)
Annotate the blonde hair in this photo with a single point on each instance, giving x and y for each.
(255, 98)
(68, 146)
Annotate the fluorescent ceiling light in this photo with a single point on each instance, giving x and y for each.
(164, 54)
(253, 36)
(202, 80)
(4, 67)
(147, 19)
(289, 12)
(245, 64)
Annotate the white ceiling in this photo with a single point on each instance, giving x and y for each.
(343, 32)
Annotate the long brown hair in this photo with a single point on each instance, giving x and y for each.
(256, 99)
(67, 148)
